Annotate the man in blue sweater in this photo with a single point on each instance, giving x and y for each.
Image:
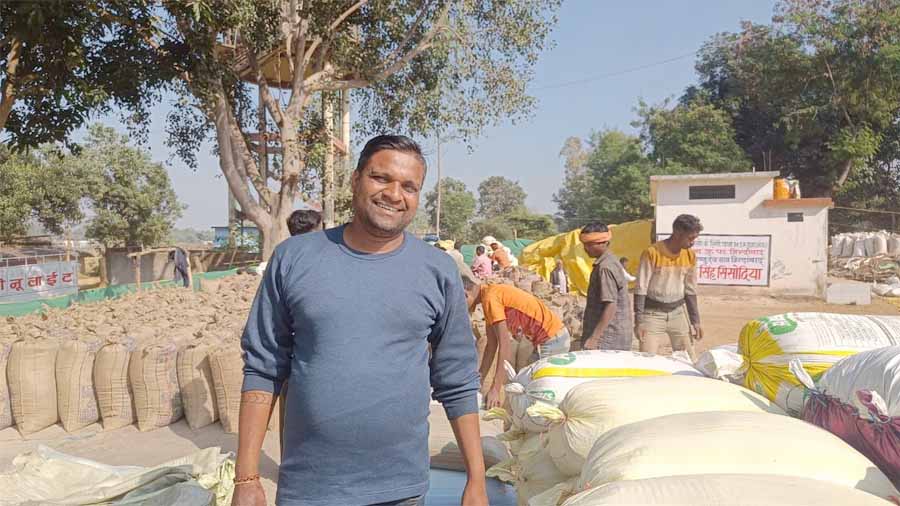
(345, 316)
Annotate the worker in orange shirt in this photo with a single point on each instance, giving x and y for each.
(511, 313)
(500, 256)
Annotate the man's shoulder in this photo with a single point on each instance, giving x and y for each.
(299, 244)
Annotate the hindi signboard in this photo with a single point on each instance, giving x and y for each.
(734, 260)
(29, 282)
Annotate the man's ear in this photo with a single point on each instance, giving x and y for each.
(354, 179)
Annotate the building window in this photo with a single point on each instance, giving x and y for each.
(723, 191)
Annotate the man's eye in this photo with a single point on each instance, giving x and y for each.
(411, 189)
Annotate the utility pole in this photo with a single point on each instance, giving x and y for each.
(437, 220)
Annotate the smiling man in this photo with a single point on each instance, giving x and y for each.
(346, 316)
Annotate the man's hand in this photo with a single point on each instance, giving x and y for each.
(592, 344)
(250, 494)
(698, 332)
(492, 399)
(475, 494)
(640, 332)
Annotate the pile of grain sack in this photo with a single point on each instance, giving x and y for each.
(865, 244)
(868, 256)
(149, 358)
(840, 372)
(600, 427)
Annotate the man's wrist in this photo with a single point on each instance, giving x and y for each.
(476, 478)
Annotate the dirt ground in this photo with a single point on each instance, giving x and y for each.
(723, 315)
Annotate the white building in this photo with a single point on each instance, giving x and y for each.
(749, 239)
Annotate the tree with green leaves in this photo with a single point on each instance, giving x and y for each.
(574, 196)
(457, 208)
(40, 186)
(694, 137)
(815, 93)
(499, 196)
(531, 226)
(62, 61)
(614, 185)
(131, 197)
(415, 67)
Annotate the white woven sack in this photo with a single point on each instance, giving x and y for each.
(550, 379)
(725, 489)
(716, 442)
(596, 407)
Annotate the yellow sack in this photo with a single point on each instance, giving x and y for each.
(818, 340)
(629, 240)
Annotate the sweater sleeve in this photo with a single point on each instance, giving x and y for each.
(454, 359)
(268, 340)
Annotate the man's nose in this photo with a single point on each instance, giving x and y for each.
(393, 192)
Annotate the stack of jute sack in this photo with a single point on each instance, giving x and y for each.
(127, 362)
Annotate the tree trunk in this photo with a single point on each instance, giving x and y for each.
(276, 232)
(8, 88)
(845, 173)
(270, 231)
(328, 172)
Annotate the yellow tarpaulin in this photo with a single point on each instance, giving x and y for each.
(629, 240)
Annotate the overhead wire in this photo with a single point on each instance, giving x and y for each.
(614, 74)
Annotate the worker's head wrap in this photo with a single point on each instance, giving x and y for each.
(587, 237)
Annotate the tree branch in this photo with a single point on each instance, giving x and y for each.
(237, 181)
(297, 56)
(412, 30)
(331, 29)
(242, 151)
(269, 101)
(318, 81)
(836, 95)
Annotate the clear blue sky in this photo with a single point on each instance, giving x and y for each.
(593, 38)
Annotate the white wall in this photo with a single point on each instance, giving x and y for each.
(799, 262)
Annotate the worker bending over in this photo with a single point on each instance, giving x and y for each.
(511, 313)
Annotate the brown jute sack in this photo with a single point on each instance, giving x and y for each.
(228, 376)
(154, 381)
(6, 419)
(195, 381)
(32, 384)
(77, 400)
(113, 386)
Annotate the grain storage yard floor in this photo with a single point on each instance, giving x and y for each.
(128, 446)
